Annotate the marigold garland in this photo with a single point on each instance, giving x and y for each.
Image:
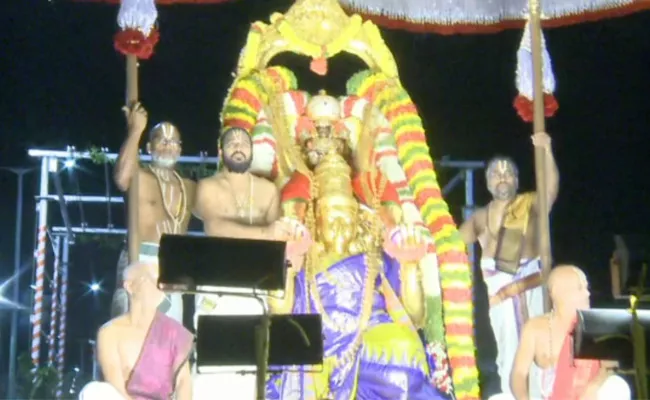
(247, 95)
(455, 272)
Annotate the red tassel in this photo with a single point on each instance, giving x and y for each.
(524, 107)
(133, 42)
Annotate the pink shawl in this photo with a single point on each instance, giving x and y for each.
(165, 350)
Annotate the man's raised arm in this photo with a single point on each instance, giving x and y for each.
(551, 171)
(109, 360)
(128, 160)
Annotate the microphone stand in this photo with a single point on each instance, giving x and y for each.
(262, 334)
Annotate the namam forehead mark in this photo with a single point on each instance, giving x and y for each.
(501, 166)
(235, 135)
(164, 131)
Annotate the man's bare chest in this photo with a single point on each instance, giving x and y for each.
(130, 351)
(240, 203)
(171, 195)
(494, 220)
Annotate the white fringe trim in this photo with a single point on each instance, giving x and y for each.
(524, 79)
(137, 14)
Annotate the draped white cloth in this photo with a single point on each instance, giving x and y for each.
(614, 388)
(504, 317)
(99, 391)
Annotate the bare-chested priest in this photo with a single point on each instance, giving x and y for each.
(235, 203)
(143, 354)
(544, 367)
(507, 231)
(164, 200)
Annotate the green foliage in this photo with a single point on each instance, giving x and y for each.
(196, 172)
(40, 383)
(98, 156)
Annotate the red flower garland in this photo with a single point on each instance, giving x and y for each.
(133, 42)
(524, 107)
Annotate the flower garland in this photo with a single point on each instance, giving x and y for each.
(247, 95)
(455, 272)
(440, 377)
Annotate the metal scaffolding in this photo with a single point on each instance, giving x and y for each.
(53, 162)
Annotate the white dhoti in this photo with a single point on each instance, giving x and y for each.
(226, 385)
(614, 387)
(540, 386)
(99, 391)
(506, 316)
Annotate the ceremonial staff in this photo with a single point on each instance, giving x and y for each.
(133, 238)
(136, 40)
(539, 125)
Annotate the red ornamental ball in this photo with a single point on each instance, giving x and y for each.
(133, 42)
(524, 107)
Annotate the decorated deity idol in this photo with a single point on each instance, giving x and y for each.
(376, 252)
(369, 302)
(323, 129)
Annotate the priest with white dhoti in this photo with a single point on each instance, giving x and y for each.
(506, 229)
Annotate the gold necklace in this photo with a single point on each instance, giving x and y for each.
(241, 207)
(179, 215)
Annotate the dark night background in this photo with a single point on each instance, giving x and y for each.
(61, 83)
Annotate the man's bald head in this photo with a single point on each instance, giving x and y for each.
(568, 287)
(141, 279)
(137, 269)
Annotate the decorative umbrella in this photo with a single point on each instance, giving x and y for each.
(535, 81)
(479, 16)
(483, 16)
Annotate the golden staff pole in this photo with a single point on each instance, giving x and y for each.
(132, 195)
(543, 233)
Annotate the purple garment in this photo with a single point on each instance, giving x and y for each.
(340, 289)
(165, 350)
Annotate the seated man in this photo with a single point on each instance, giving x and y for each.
(544, 367)
(143, 354)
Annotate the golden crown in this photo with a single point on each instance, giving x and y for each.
(323, 108)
